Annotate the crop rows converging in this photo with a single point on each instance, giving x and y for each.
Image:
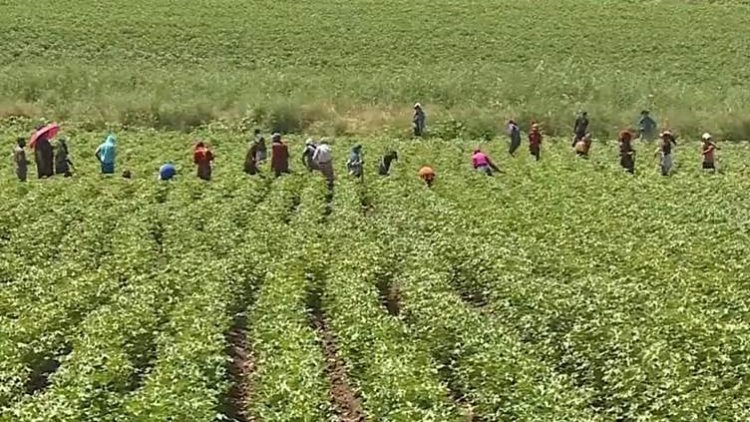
(563, 290)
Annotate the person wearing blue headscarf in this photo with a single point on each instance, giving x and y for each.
(106, 154)
(167, 171)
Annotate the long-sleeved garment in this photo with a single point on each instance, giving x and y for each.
(308, 157)
(251, 159)
(535, 144)
(107, 154)
(279, 158)
(580, 127)
(44, 157)
(514, 133)
(355, 163)
(483, 163)
(323, 159)
(203, 157)
(418, 121)
(22, 164)
(62, 160)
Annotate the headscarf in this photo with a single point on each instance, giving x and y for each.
(111, 139)
(625, 135)
(276, 137)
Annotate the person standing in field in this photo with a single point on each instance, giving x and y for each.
(627, 153)
(535, 141)
(384, 166)
(356, 162)
(44, 157)
(708, 151)
(583, 146)
(251, 158)
(203, 158)
(514, 132)
(427, 174)
(322, 157)
(261, 148)
(667, 141)
(646, 126)
(307, 155)
(167, 171)
(418, 120)
(62, 159)
(279, 155)
(482, 163)
(580, 127)
(19, 158)
(106, 153)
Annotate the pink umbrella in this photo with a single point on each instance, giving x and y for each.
(49, 132)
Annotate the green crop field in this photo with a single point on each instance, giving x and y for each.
(559, 290)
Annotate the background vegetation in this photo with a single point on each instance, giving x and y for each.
(357, 67)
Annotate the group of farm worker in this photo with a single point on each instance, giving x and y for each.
(647, 131)
(53, 158)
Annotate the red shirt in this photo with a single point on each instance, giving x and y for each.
(279, 156)
(202, 156)
(535, 138)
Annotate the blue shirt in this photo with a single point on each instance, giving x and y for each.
(167, 171)
(107, 151)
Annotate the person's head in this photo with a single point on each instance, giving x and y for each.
(276, 137)
(644, 113)
(325, 141)
(706, 137)
(625, 135)
(62, 141)
(511, 122)
(111, 139)
(477, 150)
(417, 106)
(21, 142)
(535, 127)
(392, 155)
(357, 148)
(584, 113)
(309, 142)
(200, 144)
(126, 174)
(256, 132)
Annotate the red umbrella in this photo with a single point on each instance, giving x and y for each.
(49, 132)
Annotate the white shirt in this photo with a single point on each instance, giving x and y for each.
(322, 154)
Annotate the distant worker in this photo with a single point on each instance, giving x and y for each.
(127, 174)
(514, 133)
(483, 163)
(323, 160)
(418, 120)
(279, 155)
(708, 151)
(307, 155)
(384, 167)
(167, 171)
(667, 140)
(427, 174)
(535, 141)
(355, 162)
(252, 157)
(44, 157)
(62, 159)
(646, 126)
(19, 158)
(583, 146)
(627, 153)
(580, 127)
(203, 158)
(106, 153)
(262, 151)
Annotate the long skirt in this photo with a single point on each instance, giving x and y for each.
(666, 164)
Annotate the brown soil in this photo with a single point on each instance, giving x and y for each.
(345, 402)
(240, 368)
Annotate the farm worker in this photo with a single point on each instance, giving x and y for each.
(418, 120)
(708, 150)
(44, 157)
(384, 167)
(514, 132)
(127, 174)
(19, 158)
(427, 174)
(665, 151)
(62, 159)
(279, 155)
(535, 141)
(261, 150)
(251, 158)
(646, 126)
(580, 127)
(106, 153)
(203, 157)
(167, 171)
(355, 162)
(483, 163)
(627, 153)
(323, 160)
(307, 155)
(583, 146)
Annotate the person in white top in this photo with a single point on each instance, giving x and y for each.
(324, 159)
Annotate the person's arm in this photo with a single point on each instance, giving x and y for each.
(98, 154)
(492, 165)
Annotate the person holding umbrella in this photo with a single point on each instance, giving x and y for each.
(43, 154)
(106, 153)
(19, 158)
(62, 159)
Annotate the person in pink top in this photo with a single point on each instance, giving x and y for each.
(483, 163)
